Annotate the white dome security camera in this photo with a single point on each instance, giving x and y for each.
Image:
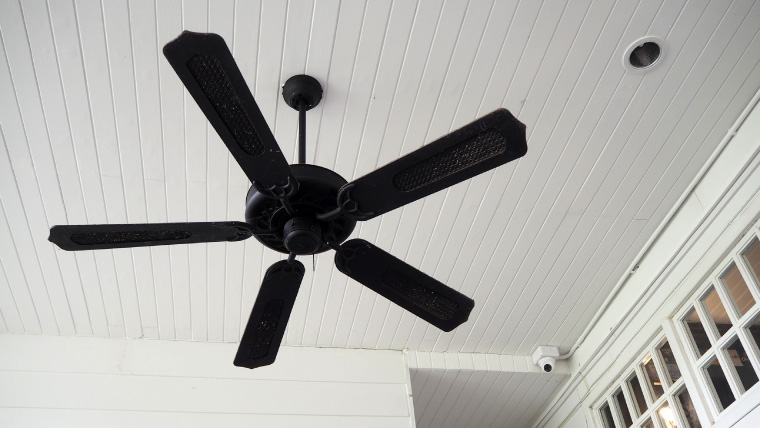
(545, 357)
(547, 364)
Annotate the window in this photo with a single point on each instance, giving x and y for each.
(651, 393)
(716, 336)
(721, 326)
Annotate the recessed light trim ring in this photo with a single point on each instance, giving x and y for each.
(649, 54)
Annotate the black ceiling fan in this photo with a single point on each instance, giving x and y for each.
(305, 209)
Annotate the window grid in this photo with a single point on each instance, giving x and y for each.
(739, 330)
(650, 416)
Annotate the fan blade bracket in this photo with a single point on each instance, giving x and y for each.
(278, 191)
(402, 284)
(484, 144)
(350, 207)
(270, 313)
(208, 70)
(109, 236)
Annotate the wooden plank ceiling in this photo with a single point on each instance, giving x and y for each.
(97, 128)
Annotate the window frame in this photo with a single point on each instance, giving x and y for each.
(669, 395)
(720, 343)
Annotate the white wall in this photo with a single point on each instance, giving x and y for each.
(751, 420)
(714, 216)
(65, 381)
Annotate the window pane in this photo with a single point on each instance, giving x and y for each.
(607, 416)
(688, 409)
(754, 330)
(647, 424)
(738, 289)
(752, 256)
(698, 333)
(670, 362)
(638, 394)
(741, 363)
(716, 310)
(620, 398)
(667, 416)
(650, 372)
(718, 378)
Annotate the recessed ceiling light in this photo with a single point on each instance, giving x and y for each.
(644, 54)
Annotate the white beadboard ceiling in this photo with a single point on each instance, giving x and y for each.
(480, 398)
(97, 128)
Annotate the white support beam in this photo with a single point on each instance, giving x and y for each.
(96, 382)
(489, 362)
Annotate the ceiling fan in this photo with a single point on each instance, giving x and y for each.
(305, 209)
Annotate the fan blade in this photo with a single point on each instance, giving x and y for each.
(403, 285)
(103, 236)
(269, 317)
(211, 76)
(486, 143)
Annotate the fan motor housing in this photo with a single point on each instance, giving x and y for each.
(300, 233)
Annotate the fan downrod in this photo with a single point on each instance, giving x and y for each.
(302, 93)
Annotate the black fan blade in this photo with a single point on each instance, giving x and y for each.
(486, 143)
(210, 74)
(103, 236)
(269, 317)
(403, 285)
